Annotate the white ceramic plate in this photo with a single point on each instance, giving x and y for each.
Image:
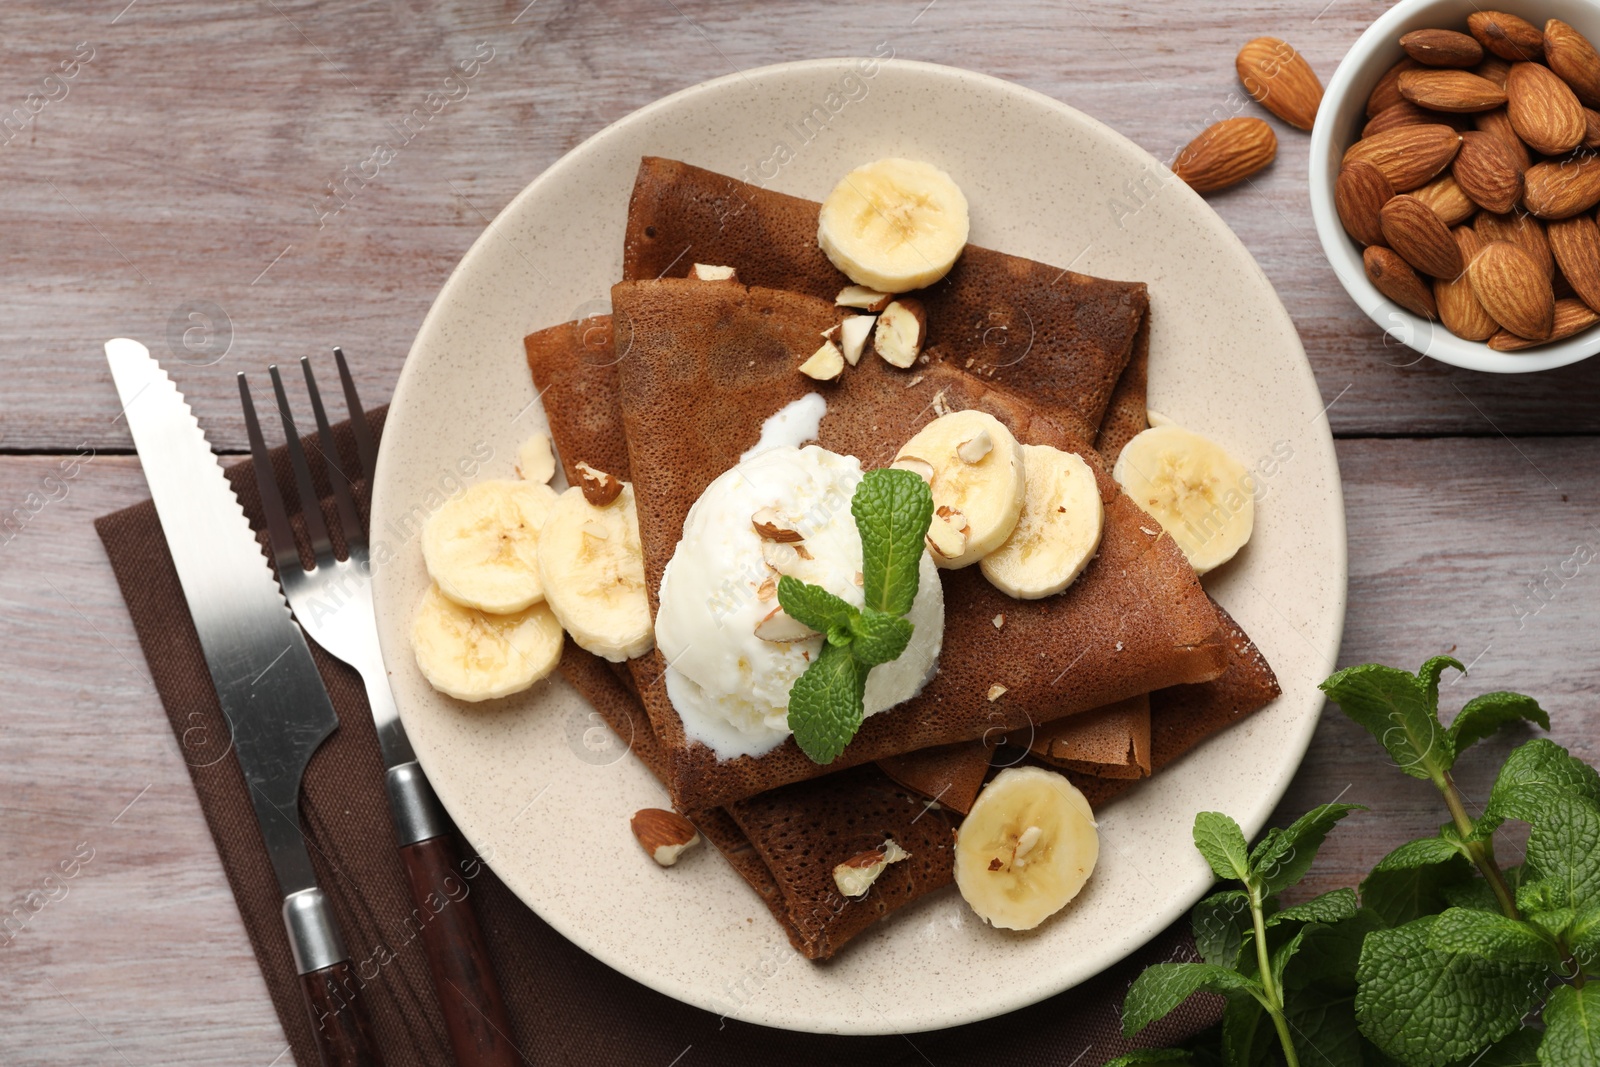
(535, 781)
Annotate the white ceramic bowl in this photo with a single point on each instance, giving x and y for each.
(1338, 125)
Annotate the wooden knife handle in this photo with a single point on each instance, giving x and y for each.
(343, 1031)
(469, 994)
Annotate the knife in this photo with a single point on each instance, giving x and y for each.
(277, 708)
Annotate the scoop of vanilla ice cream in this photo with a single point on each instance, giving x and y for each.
(730, 687)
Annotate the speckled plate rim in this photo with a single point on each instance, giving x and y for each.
(1154, 217)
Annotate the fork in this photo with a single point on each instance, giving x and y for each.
(332, 600)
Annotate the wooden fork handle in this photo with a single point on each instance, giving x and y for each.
(340, 1023)
(458, 957)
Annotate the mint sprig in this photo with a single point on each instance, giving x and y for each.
(892, 509)
(1444, 956)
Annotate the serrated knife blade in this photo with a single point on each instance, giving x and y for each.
(277, 708)
(278, 711)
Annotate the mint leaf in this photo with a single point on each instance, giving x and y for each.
(1571, 1028)
(1564, 847)
(1283, 856)
(825, 704)
(878, 637)
(1325, 1033)
(1285, 952)
(1531, 770)
(1582, 931)
(892, 509)
(1521, 1049)
(1164, 986)
(1488, 712)
(1428, 1007)
(1431, 672)
(1328, 908)
(1222, 843)
(815, 607)
(1328, 956)
(1248, 1039)
(1491, 936)
(1151, 1055)
(1401, 711)
(1404, 890)
(1221, 923)
(1419, 853)
(1474, 893)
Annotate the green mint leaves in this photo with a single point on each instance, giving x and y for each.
(892, 509)
(1443, 954)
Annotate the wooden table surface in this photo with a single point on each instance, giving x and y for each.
(182, 170)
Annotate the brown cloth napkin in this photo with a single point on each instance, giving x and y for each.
(566, 1007)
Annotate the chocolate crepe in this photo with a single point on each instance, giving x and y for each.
(1111, 742)
(701, 364)
(1059, 338)
(578, 383)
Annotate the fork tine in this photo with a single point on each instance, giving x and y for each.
(280, 535)
(310, 505)
(349, 519)
(365, 446)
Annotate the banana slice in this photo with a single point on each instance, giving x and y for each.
(593, 573)
(1026, 848)
(1201, 496)
(480, 547)
(1058, 532)
(472, 655)
(894, 225)
(978, 484)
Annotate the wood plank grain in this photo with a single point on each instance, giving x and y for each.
(186, 170)
(1444, 537)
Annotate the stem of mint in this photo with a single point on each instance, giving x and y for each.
(1272, 999)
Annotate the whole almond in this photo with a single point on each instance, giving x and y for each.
(1507, 36)
(1405, 113)
(1487, 172)
(1359, 194)
(1409, 156)
(1442, 48)
(1459, 308)
(1447, 200)
(1226, 152)
(1524, 231)
(1499, 124)
(1560, 188)
(1514, 290)
(1450, 90)
(1493, 69)
(1575, 243)
(1411, 228)
(1591, 133)
(1280, 80)
(1543, 110)
(1570, 317)
(1394, 278)
(1574, 60)
(1386, 93)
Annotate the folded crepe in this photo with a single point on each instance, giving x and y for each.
(1059, 338)
(576, 374)
(785, 843)
(1110, 742)
(701, 364)
(1185, 715)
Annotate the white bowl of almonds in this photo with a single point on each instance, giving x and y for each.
(1455, 180)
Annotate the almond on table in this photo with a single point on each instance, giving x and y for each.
(1227, 152)
(1280, 80)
